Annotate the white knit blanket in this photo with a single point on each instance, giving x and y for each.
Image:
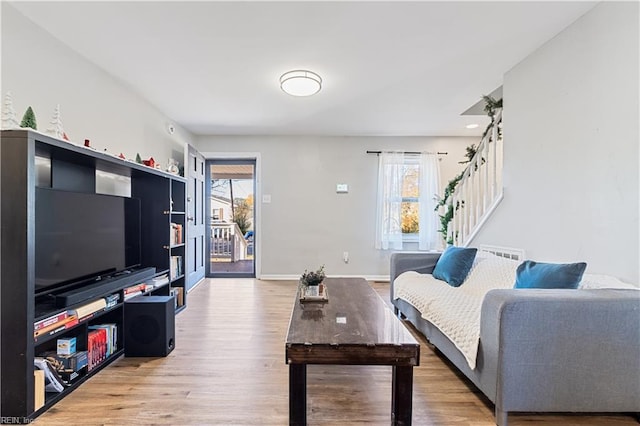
(456, 310)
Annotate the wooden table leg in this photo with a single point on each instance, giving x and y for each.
(298, 394)
(401, 395)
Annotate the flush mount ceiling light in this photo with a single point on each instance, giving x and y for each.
(300, 83)
(471, 126)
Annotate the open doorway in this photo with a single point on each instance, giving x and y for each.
(231, 220)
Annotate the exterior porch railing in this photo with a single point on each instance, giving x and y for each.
(227, 242)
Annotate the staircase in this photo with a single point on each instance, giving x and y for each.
(479, 191)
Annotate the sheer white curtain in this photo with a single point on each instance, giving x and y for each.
(389, 205)
(428, 237)
(391, 174)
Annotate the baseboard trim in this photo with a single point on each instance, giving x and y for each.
(287, 277)
(278, 277)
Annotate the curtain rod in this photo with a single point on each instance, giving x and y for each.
(406, 152)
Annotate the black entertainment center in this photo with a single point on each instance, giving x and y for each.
(75, 246)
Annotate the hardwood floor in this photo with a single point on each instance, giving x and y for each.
(228, 368)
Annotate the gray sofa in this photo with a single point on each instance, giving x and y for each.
(545, 350)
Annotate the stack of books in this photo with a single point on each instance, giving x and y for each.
(54, 323)
(66, 360)
(178, 294)
(175, 267)
(176, 234)
(160, 281)
(135, 290)
(66, 319)
(96, 347)
(102, 343)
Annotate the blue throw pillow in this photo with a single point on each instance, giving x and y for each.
(532, 274)
(454, 265)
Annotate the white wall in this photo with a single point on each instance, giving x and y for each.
(307, 223)
(571, 147)
(41, 72)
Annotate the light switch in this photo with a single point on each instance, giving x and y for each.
(266, 198)
(342, 188)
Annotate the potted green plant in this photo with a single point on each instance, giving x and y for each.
(310, 280)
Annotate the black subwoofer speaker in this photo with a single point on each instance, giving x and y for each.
(149, 326)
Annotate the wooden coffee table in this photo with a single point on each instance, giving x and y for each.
(355, 327)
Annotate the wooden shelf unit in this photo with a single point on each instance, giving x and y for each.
(177, 216)
(73, 168)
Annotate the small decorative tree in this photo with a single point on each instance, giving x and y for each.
(29, 119)
(55, 129)
(9, 119)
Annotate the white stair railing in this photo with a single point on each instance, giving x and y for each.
(480, 190)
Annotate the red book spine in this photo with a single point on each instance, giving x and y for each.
(133, 289)
(54, 328)
(71, 323)
(50, 321)
(103, 344)
(89, 352)
(92, 349)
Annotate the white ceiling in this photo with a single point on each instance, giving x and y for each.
(389, 68)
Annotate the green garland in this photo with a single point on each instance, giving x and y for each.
(471, 152)
(447, 217)
(448, 191)
(444, 222)
(491, 107)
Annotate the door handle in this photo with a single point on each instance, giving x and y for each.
(190, 219)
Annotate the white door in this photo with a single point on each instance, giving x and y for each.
(194, 173)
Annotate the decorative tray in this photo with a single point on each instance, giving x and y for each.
(314, 294)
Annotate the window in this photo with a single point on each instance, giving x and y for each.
(410, 212)
(407, 188)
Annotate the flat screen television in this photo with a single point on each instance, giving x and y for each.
(80, 237)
